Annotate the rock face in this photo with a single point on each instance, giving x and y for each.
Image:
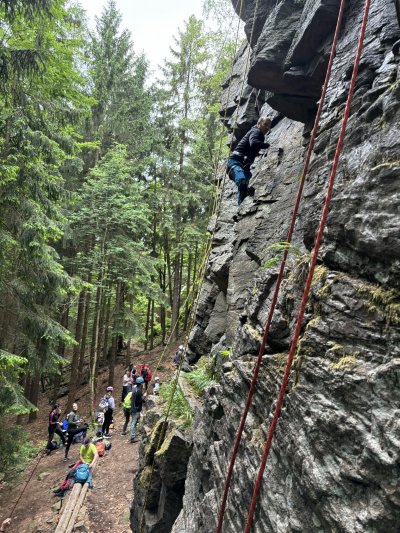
(334, 463)
(335, 458)
(160, 480)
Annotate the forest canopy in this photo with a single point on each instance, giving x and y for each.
(106, 179)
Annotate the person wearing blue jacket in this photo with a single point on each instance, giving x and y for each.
(243, 156)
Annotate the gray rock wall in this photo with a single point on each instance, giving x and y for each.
(334, 465)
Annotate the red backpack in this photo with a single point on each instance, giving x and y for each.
(101, 448)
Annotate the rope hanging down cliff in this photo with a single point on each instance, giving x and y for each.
(313, 263)
(257, 367)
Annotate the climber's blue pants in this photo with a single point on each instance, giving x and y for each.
(240, 176)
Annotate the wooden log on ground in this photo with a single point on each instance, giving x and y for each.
(76, 510)
(66, 515)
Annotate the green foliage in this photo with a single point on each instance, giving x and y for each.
(203, 376)
(12, 400)
(16, 450)
(282, 246)
(180, 407)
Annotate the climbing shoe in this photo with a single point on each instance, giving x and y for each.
(242, 191)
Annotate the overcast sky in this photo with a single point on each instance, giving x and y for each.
(152, 23)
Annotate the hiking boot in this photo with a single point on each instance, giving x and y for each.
(134, 440)
(124, 433)
(242, 191)
(107, 436)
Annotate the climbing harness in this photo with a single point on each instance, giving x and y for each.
(313, 263)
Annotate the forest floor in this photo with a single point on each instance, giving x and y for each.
(107, 506)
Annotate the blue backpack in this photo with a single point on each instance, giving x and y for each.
(82, 473)
(64, 425)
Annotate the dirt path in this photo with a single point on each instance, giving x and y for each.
(107, 506)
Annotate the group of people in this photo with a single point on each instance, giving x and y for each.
(134, 381)
(74, 428)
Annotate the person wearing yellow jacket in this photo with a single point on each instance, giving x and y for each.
(126, 404)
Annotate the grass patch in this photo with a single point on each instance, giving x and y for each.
(384, 301)
(348, 362)
(180, 407)
(203, 376)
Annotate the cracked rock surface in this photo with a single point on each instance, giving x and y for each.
(334, 463)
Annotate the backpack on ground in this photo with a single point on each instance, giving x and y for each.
(103, 405)
(108, 446)
(82, 473)
(101, 448)
(51, 447)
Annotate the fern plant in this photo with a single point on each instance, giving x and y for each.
(203, 376)
(180, 407)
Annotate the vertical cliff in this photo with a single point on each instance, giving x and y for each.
(334, 464)
(335, 458)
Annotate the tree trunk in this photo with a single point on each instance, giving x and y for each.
(152, 325)
(162, 306)
(34, 394)
(27, 390)
(85, 327)
(188, 295)
(93, 348)
(175, 297)
(73, 382)
(118, 307)
(106, 331)
(146, 331)
(64, 319)
(168, 261)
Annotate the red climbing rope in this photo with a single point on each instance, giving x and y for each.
(281, 271)
(313, 263)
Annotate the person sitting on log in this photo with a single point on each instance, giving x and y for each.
(243, 156)
(88, 455)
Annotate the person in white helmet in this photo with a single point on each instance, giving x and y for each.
(178, 356)
(108, 415)
(156, 386)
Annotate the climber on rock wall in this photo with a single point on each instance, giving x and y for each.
(243, 156)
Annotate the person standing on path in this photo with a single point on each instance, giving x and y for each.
(127, 410)
(126, 384)
(108, 415)
(136, 406)
(54, 426)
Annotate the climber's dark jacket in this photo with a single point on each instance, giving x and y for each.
(248, 147)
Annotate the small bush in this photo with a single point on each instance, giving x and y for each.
(180, 407)
(16, 449)
(203, 376)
